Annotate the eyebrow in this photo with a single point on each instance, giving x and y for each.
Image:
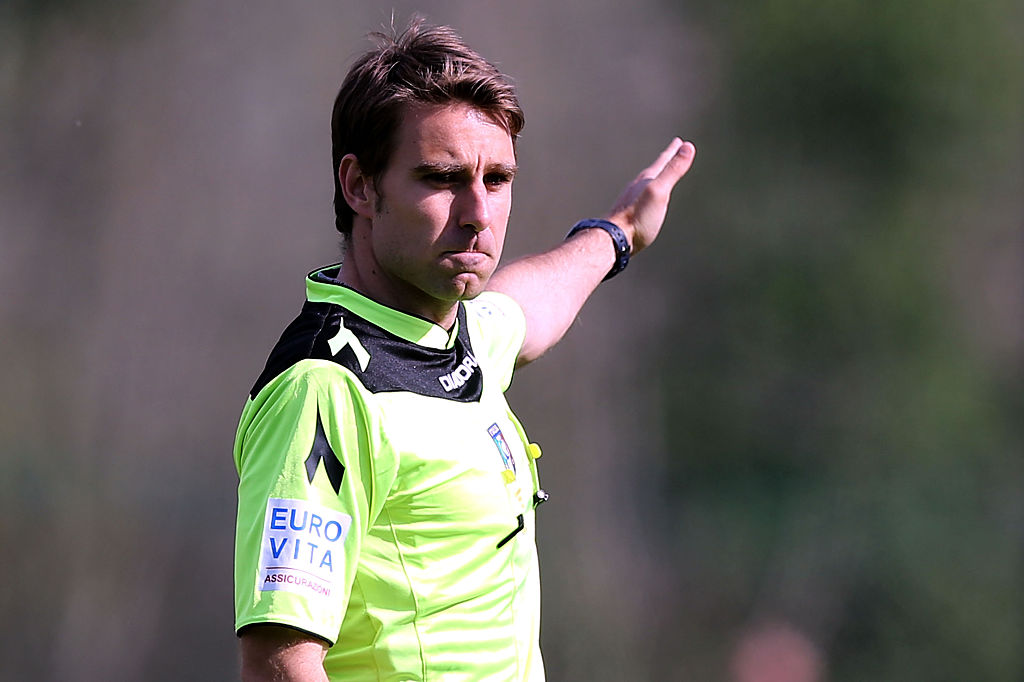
(430, 168)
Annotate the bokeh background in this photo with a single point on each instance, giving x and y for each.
(786, 445)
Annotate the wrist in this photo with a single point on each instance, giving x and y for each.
(619, 241)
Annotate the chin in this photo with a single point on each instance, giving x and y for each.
(469, 285)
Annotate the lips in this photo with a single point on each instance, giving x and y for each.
(466, 258)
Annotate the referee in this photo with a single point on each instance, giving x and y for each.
(386, 491)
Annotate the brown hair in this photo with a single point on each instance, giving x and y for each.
(424, 64)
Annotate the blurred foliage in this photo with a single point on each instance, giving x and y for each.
(840, 454)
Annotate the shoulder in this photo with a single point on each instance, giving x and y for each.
(497, 326)
(320, 332)
(329, 344)
(495, 308)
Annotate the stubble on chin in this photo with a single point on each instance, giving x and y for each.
(471, 284)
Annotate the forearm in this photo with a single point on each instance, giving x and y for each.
(552, 287)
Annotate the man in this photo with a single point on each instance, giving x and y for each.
(387, 492)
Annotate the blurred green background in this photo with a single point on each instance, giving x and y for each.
(801, 412)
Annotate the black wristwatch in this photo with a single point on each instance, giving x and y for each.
(618, 238)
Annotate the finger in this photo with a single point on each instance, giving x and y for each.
(664, 157)
(676, 164)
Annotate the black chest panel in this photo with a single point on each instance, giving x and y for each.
(394, 365)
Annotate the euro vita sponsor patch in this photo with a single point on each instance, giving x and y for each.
(301, 549)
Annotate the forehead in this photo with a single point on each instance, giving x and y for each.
(455, 132)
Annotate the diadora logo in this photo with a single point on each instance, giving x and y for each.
(345, 337)
(460, 376)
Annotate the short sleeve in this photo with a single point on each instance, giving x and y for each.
(311, 479)
(497, 329)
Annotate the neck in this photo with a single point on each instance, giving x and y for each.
(360, 271)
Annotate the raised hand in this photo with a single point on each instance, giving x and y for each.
(640, 209)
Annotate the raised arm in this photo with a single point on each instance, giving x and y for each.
(551, 287)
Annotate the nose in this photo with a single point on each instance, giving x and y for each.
(474, 207)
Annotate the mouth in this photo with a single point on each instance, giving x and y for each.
(465, 257)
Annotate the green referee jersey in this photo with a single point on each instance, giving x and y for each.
(386, 492)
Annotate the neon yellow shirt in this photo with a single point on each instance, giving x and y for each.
(386, 492)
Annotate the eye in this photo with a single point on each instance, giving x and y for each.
(498, 179)
(441, 178)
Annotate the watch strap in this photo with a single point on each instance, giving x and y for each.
(622, 249)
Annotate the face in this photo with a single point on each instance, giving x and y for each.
(441, 210)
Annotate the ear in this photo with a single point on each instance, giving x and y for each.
(357, 187)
